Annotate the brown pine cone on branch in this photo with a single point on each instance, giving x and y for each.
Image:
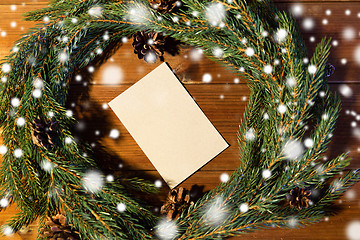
(149, 45)
(43, 132)
(299, 198)
(58, 228)
(176, 202)
(164, 6)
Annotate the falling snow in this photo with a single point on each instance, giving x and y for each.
(150, 57)
(353, 230)
(7, 230)
(207, 78)
(249, 51)
(268, 69)
(20, 121)
(309, 142)
(281, 35)
(37, 93)
(293, 149)
(224, 177)
(308, 24)
(15, 102)
(6, 68)
(18, 153)
(215, 13)
(250, 135)
(112, 74)
(218, 52)
(345, 90)
(46, 165)
(349, 33)
(93, 181)
(95, 11)
(216, 213)
(3, 149)
(138, 14)
(297, 10)
(4, 203)
(114, 134)
(312, 69)
(282, 108)
(266, 173)
(158, 183)
(244, 207)
(166, 230)
(121, 207)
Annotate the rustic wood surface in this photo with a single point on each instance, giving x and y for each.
(223, 101)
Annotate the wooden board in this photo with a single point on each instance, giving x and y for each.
(222, 100)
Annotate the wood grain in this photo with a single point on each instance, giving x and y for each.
(222, 101)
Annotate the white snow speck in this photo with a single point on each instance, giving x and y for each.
(312, 39)
(69, 113)
(308, 24)
(291, 82)
(13, 24)
(207, 78)
(347, 12)
(250, 135)
(268, 69)
(158, 183)
(18, 153)
(312, 69)
(91, 69)
(215, 13)
(343, 61)
(282, 108)
(4, 203)
(93, 181)
(78, 78)
(38, 83)
(216, 213)
(46, 19)
(325, 116)
(357, 54)
(68, 140)
(293, 149)
(266, 116)
(325, 21)
(224, 177)
(266, 173)
(236, 80)
(249, 51)
(63, 57)
(138, 14)
(51, 114)
(349, 33)
(218, 52)
(7, 230)
(3, 79)
(110, 178)
(328, 12)
(20, 121)
(150, 57)
(350, 194)
(114, 133)
(297, 10)
(166, 230)
(3, 149)
(46, 165)
(309, 142)
(292, 222)
(345, 90)
(15, 102)
(335, 43)
(37, 93)
(244, 207)
(121, 207)
(353, 230)
(105, 106)
(196, 54)
(95, 11)
(112, 74)
(74, 20)
(281, 35)
(6, 68)
(13, 7)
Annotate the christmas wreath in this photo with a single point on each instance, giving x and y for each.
(282, 179)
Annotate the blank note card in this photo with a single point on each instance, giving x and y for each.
(168, 125)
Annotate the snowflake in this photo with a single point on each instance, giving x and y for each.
(224, 177)
(281, 35)
(121, 207)
(291, 82)
(266, 116)
(138, 14)
(353, 230)
(51, 114)
(46, 165)
(216, 212)
(292, 222)
(196, 54)
(328, 12)
(345, 90)
(3, 149)
(63, 57)
(6, 68)
(297, 10)
(105, 106)
(335, 43)
(325, 21)
(349, 33)
(114, 133)
(312, 69)
(112, 74)
(218, 52)
(244, 207)
(150, 57)
(265, 34)
(268, 69)
(282, 108)
(249, 51)
(13, 7)
(18, 153)
(37, 93)
(110, 178)
(309, 142)
(166, 230)
(215, 13)
(206, 78)
(46, 19)
(7, 230)
(15, 102)
(236, 80)
(96, 11)
(4, 203)
(308, 24)
(13, 24)
(250, 135)
(266, 173)
(20, 121)
(93, 181)
(158, 183)
(38, 83)
(347, 12)
(69, 113)
(68, 140)
(293, 149)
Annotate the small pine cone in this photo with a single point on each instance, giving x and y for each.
(58, 228)
(43, 133)
(299, 198)
(176, 202)
(163, 6)
(149, 42)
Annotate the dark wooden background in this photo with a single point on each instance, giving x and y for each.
(223, 101)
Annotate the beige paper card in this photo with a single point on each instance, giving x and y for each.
(168, 125)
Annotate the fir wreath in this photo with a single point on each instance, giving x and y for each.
(252, 39)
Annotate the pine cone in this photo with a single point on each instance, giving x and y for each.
(299, 198)
(58, 228)
(43, 133)
(149, 42)
(177, 201)
(163, 6)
